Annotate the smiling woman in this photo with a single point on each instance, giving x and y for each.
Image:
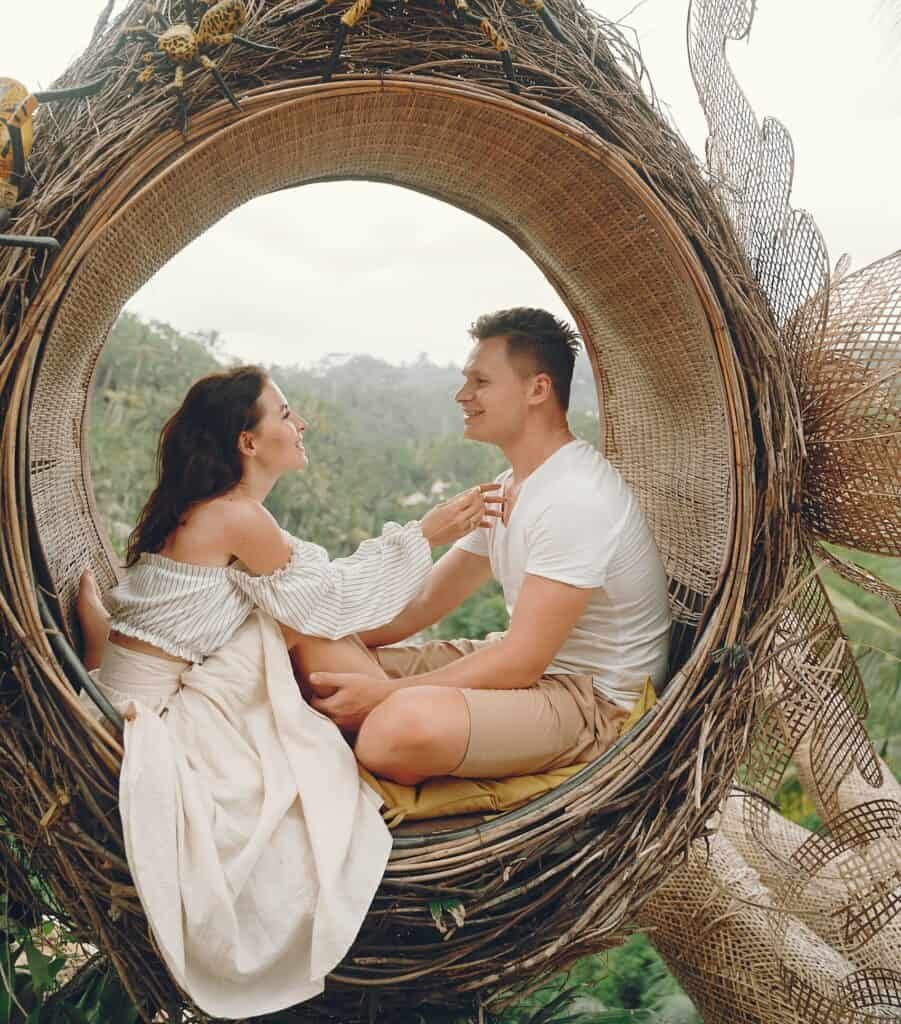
(379, 434)
(243, 404)
(211, 581)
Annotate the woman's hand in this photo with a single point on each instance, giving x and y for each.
(462, 514)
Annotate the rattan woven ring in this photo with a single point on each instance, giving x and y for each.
(697, 411)
(669, 391)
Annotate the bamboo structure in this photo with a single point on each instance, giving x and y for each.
(749, 399)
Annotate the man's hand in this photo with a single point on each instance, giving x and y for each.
(347, 697)
(546, 612)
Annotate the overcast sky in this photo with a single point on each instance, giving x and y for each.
(407, 274)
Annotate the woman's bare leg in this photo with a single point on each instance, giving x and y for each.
(93, 618)
(316, 654)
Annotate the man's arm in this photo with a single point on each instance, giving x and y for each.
(546, 612)
(455, 576)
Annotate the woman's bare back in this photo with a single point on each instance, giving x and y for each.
(202, 537)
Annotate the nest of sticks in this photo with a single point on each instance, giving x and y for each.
(560, 878)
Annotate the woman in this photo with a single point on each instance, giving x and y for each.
(253, 845)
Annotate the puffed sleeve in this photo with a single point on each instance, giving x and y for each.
(332, 599)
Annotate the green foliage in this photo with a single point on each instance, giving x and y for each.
(626, 985)
(385, 442)
(872, 627)
(144, 372)
(795, 804)
(35, 983)
(874, 631)
(481, 614)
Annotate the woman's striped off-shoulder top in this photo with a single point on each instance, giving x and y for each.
(192, 610)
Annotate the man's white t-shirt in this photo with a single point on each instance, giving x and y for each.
(576, 521)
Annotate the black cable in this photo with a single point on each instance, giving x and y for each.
(72, 664)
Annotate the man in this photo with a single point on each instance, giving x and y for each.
(582, 581)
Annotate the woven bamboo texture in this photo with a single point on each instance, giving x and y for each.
(707, 310)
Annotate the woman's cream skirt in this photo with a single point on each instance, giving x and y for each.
(254, 846)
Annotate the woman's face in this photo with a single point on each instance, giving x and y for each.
(277, 439)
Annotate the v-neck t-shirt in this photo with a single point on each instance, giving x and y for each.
(576, 521)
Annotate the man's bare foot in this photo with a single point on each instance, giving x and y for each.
(93, 618)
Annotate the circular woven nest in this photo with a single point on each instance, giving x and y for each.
(698, 411)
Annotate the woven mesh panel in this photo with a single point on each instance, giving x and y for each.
(852, 412)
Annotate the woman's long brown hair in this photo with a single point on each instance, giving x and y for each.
(197, 457)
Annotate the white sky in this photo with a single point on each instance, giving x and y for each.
(406, 274)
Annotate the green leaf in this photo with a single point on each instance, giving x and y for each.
(57, 964)
(457, 911)
(38, 966)
(436, 909)
(114, 1002)
(454, 909)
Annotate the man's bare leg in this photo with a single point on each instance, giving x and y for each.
(93, 618)
(415, 734)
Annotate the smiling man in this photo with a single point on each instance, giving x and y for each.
(582, 580)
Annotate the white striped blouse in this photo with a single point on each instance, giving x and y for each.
(192, 610)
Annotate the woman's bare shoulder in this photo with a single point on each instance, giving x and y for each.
(237, 511)
(252, 534)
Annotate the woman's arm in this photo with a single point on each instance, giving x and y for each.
(298, 585)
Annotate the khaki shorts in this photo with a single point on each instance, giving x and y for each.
(559, 721)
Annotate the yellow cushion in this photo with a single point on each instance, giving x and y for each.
(646, 700)
(447, 796)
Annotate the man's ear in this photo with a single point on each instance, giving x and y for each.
(540, 388)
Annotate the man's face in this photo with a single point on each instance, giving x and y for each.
(494, 395)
